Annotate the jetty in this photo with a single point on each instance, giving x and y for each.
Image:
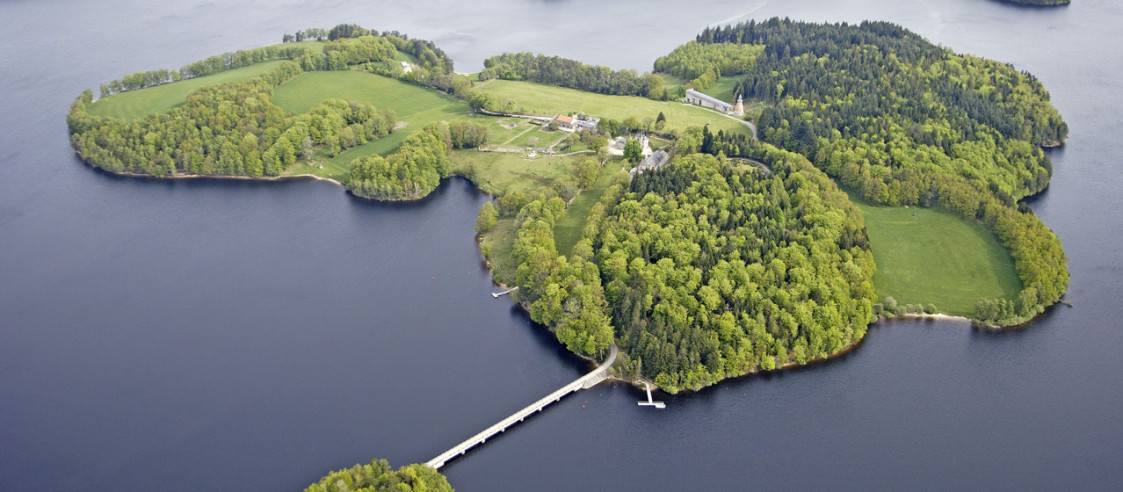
(508, 291)
(649, 402)
(584, 382)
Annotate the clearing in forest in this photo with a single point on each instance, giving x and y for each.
(930, 256)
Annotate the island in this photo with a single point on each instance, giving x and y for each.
(1040, 3)
(378, 476)
(754, 203)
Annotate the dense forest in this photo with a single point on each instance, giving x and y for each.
(378, 476)
(552, 70)
(410, 173)
(904, 122)
(714, 271)
(563, 293)
(234, 129)
(704, 270)
(703, 63)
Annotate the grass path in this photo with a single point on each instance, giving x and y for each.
(568, 229)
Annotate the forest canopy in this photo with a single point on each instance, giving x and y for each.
(904, 122)
(378, 476)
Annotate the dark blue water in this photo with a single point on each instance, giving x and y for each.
(210, 335)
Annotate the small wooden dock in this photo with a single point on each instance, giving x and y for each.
(649, 402)
(508, 291)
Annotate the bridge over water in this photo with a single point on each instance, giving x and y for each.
(587, 381)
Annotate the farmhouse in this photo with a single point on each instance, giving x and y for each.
(653, 162)
(564, 122)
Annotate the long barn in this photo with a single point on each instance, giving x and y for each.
(695, 97)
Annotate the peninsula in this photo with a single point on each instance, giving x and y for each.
(755, 202)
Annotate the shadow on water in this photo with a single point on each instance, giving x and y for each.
(547, 342)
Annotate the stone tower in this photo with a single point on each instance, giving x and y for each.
(739, 109)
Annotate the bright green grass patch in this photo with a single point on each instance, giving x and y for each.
(498, 173)
(309, 89)
(137, 104)
(723, 88)
(548, 100)
(567, 231)
(930, 256)
(414, 106)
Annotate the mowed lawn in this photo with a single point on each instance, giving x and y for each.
(930, 256)
(723, 88)
(568, 229)
(414, 106)
(498, 172)
(542, 99)
(137, 104)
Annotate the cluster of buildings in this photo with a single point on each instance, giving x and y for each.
(572, 124)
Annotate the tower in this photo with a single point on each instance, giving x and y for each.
(739, 109)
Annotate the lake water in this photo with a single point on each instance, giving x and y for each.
(210, 335)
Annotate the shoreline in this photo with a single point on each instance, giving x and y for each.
(638, 383)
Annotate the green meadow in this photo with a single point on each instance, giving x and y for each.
(414, 106)
(723, 88)
(549, 100)
(498, 172)
(930, 256)
(137, 104)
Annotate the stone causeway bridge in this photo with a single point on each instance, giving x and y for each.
(584, 382)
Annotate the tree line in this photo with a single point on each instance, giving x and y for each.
(703, 63)
(562, 72)
(208, 66)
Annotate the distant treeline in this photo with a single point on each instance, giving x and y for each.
(208, 66)
(343, 51)
(562, 72)
(1043, 3)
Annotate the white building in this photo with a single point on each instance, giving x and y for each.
(697, 98)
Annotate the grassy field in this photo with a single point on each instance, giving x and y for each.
(137, 104)
(415, 107)
(930, 256)
(500, 130)
(498, 172)
(723, 88)
(549, 100)
(567, 231)
(538, 137)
